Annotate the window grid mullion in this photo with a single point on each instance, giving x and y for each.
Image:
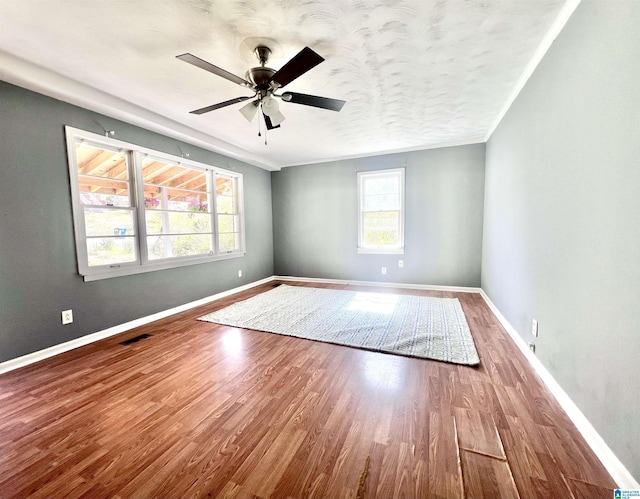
(140, 208)
(211, 179)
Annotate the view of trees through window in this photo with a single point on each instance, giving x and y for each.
(228, 216)
(381, 209)
(177, 216)
(184, 211)
(105, 193)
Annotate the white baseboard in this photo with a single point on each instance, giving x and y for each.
(616, 469)
(25, 360)
(31, 358)
(427, 287)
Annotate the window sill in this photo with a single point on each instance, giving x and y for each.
(96, 275)
(381, 251)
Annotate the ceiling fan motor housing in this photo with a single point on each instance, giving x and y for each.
(260, 77)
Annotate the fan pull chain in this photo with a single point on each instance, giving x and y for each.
(259, 127)
(265, 124)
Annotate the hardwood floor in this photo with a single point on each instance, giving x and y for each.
(204, 410)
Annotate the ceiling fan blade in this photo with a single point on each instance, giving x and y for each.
(268, 122)
(302, 62)
(196, 61)
(313, 100)
(221, 104)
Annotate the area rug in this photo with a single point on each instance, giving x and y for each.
(416, 326)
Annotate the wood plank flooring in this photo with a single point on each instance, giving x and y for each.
(204, 410)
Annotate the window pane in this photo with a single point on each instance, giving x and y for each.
(111, 250)
(224, 186)
(381, 229)
(103, 191)
(228, 223)
(229, 242)
(103, 176)
(161, 174)
(382, 202)
(108, 222)
(176, 199)
(186, 201)
(177, 223)
(99, 162)
(151, 202)
(381, 238)
(174, 246)
(381, 185)
(225, 204)
(174, 187)
(198, 206)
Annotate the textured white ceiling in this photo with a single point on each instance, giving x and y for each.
(415, 73)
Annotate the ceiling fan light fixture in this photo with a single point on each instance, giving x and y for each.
(270, 106)
(249, 110)
(277, 118)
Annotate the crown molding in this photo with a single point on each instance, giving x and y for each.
(44, 81)
(557, 26)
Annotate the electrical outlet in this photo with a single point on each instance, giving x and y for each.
(384, 270)
(534, 327)
(239, 273)
(532, 346)
(400, 263)
(67, 316)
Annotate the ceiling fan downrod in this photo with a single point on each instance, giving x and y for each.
(262, 53)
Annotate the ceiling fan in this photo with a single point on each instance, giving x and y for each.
(265, 82)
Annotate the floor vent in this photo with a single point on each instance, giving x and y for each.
(135, 339)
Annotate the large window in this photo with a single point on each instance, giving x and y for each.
(381, 211)
(137, 210)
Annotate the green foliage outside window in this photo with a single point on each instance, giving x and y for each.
(381, 228)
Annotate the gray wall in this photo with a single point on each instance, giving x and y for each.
(562, 217)
(315, 212)
(38, 276)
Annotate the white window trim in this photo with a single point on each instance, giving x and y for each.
(380, 250)
(142, 264)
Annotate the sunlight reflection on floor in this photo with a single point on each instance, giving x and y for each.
(385, 372)
(232, 342)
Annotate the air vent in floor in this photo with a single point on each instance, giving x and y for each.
(135, 339)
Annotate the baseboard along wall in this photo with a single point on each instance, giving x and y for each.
(427, 287)
(616, 469)
(31, 358)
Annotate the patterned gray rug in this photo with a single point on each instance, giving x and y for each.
(417, 326)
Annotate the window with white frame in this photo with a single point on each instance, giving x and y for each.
(381, 211)
(138, 210)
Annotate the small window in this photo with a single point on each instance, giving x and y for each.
(138, 210)
(381, 211)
